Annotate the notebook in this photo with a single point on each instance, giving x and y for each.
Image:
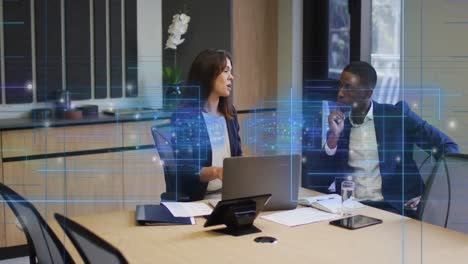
(328, 202)
(159, 215)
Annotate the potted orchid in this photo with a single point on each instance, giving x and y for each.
(172, 76)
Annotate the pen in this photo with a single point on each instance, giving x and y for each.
(324, 199)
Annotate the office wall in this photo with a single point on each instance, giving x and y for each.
(289, 69)
(209, 27)
(55, 45)
(289, 53)
(255, 37)
(268, 73)
(435, 45)
(65, 46)
(149, 21)
(246, 28)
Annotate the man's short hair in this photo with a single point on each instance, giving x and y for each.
(366, 73)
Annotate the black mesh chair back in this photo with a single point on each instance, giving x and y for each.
(445, 202)
(425, 162)
(162, 140)
(43, 244)
(91, 248)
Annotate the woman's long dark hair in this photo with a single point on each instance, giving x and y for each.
(204, 70)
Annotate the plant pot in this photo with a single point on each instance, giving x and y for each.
(171, 97)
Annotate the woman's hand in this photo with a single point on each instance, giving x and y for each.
(211, 173)
(218, 172)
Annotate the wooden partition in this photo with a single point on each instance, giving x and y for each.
(92, 137)
(94, 183)
(255, 26)
(2, 206)
(28, 142)
(143, 178)
(79, 170)
(258, 133)
(40, 181)
(143, 172)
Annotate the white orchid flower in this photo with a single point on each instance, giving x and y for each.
(178, 27)
(184, 18)
(170, 44)
(173, 41)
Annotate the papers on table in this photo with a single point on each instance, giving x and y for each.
(188, 209)
(299, 216)
(352, 204)
(213, 202)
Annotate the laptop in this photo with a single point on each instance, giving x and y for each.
(250, 176)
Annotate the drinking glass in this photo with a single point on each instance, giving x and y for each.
(347, 196)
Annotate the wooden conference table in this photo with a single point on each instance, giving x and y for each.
(396, 240)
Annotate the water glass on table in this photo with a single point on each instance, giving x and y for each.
(347, 197)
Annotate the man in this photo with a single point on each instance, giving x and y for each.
(374, 144)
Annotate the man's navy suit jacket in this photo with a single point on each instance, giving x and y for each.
(397, 129)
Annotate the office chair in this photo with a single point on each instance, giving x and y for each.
(425, 162)
(43, 244)
(162, 140)
(91, 248)
(445, 199)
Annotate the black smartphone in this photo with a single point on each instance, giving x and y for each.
(356, 221)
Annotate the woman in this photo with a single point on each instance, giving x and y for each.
(206, 128)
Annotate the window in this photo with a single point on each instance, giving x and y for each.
(95, 57)
(338, 37)
(385, 51)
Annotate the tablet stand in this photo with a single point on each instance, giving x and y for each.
(237, 214)
(239, 219)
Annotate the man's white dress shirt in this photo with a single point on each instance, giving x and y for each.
(364, 158)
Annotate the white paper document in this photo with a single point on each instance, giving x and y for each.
(299, 216)
(188, 209)
(213, 202)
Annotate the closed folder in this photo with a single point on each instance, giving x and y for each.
(159, 215)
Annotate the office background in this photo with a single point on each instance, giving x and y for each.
(428, 62)
(267, 38)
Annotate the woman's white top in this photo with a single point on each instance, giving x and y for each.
(220, 148)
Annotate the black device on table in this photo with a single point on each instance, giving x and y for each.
(356, 221)
(238, 214)
(158, 214)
